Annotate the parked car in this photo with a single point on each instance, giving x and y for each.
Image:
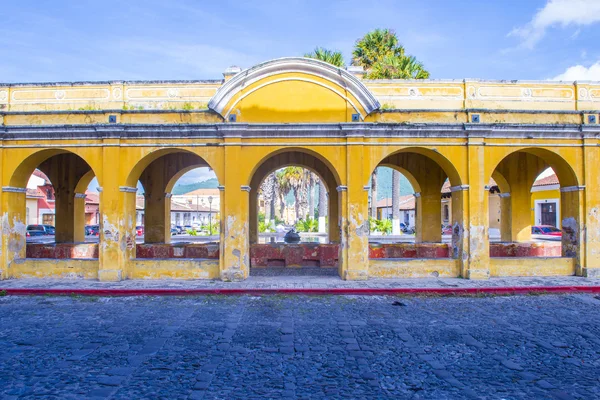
(139, 230)
(180, 229)
(92, 230)
(37, 230)
(50, 230)
(174, 231)
(546, 230)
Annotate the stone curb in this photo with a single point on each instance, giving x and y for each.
(312, 291)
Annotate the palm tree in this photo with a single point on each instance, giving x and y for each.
(375, 45)
(291, 180)
(268, 189)
(390, 67)
(311, 197)
(395, 202)
(322, 206)
(374, 194)
(332, 57)
(383, 57)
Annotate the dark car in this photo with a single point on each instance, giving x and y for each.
(37, 230)
(92, 230)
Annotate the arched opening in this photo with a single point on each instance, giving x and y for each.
(177, 208)
(57, 204)
(537, 211)
(411, 205)
(294, 190)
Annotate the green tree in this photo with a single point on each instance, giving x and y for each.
(374, 46)
(383, 57)
(332, 57)
(405, 67)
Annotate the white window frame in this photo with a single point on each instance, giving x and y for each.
(538, 210)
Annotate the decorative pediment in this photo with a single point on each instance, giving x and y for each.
(293, 90)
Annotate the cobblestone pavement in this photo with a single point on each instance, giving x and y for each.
(298, 279)
(243, 347)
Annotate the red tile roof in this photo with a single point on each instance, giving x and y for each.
(406, 202)
(549, 180)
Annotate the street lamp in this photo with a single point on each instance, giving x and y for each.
(210, 199)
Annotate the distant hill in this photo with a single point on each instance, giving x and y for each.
(190, 187)
(384, 184)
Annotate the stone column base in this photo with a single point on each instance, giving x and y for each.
(355, 275)
(478, 274)
(110, 275)
(233, 275)
(590, 272)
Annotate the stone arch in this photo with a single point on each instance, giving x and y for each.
(302, 158)
(520, 168)
(427, 171)
(142, 163)
(158, 172)
(293, 89)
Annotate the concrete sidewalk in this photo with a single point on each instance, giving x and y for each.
(304, 283)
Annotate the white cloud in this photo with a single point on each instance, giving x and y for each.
(558, 12)
(580, 73)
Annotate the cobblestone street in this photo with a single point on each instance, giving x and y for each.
(217, 347)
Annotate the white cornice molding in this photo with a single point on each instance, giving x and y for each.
(305, 65)
(12, 189)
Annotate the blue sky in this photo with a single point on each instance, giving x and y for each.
(185, 39)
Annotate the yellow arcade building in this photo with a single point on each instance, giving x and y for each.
(302, 112)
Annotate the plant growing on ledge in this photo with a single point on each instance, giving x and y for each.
(187, 106)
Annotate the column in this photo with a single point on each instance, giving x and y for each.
(79, 218)
(505, 217)
(354, 201)
(429, 221)
(157, 216)
(253, 211)
(573, 238)
(64, 206)
(117, 218)
(520, 208)
(590, 197)
(470, 212)
(235, 248)
(14, 227)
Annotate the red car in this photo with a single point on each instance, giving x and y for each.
(546, 230)
(139, 230)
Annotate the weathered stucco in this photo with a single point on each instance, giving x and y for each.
(292, 112)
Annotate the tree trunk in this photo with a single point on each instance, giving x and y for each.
(322, 207)
(395, 202)
(311, 197)
(374, 194)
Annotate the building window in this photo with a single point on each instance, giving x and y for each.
(446, 212)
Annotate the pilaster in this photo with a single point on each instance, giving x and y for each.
(590, 202)
(354, 246)
(235, 248)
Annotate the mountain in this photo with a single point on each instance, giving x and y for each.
(190, 187)
(384, 184)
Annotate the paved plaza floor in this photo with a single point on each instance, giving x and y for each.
(306, 347)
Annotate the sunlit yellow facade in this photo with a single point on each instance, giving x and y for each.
(298, 111)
